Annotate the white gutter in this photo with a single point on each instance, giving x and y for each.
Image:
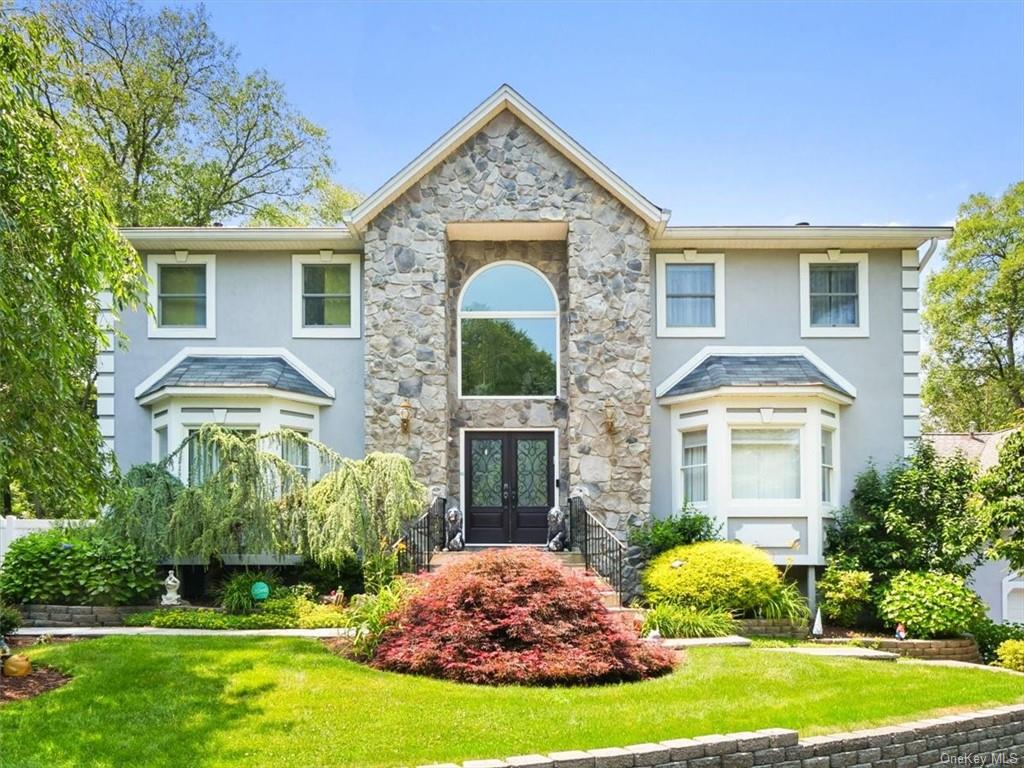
(932, 245)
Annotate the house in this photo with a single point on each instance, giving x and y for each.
(519, 320)
(1001, 588)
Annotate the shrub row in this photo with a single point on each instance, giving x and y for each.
(286, 612)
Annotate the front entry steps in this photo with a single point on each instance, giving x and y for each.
(569, 559)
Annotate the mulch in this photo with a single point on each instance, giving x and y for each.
(41, 680)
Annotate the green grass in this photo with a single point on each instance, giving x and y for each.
(200, 701)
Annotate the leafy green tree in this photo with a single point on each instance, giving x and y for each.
(914, 516)
(59, 249)
(180, 134)
(500, 359)
(1001, 491)
(974, 316)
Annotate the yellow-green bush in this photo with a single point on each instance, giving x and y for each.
(721, 575)
(1010, 654)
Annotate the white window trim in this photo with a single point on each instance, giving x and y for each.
(861, 330)
(157, 331)
(719, 415)
(326, 258)
(509, 315)
(691, 257)
(271, 413)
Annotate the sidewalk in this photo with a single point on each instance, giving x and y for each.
(132, 631)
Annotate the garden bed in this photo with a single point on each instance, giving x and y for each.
(957, 649)
(41, 680)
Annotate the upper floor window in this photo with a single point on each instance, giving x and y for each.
(182, 295)
(325, 296)
(508, 333)
(834, 294)
(691, 294)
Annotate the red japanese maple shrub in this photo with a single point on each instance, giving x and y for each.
(515, 616)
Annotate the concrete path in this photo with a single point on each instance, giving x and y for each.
(734, 641)
(839, 651)
(162, 631)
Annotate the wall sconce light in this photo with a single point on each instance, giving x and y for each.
(405, 414)
(609, 418)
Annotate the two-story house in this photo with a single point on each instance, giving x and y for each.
(519, 320)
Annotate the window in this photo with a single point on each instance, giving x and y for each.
(691, 294)
(766, 463)
(204, 457)
(827, 465)
(325, 296)
(834, 294)
(508, 333)
(297, 454)
(695, 466)
(182, 294)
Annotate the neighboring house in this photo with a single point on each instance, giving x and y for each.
(1000, 588)
(539, 325)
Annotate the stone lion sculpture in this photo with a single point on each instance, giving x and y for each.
(558, 531)
(454, 539)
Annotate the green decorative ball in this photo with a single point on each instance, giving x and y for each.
(260, 590)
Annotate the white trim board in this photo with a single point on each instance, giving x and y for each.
(505, 98)
(288, 356)
(709, 351)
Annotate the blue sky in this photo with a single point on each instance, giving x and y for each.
(731, 113)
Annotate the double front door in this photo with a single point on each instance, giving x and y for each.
(510, 486)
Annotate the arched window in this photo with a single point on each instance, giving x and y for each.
(508, 333)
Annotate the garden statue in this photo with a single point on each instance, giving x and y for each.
(454, 539)
(818, 630)
(558, 533)
(171, 597)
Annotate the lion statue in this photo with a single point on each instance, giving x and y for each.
(454, 539)
(558, 532)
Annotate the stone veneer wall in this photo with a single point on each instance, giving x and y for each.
(995, 735)
(41, 615)
(464, 260)
(506, 172)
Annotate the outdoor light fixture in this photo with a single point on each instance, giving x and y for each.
(405, 414)
(609, 418)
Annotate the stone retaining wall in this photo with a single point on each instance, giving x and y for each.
(959, 649)
(772, 628)
(38, 615)
(988, 737)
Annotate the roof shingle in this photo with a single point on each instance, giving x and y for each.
(267, 371)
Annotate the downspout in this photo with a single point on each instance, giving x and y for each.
(932, 245)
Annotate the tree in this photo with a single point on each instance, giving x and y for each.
(974, 315)
(500, 359)
(59, 249)
(914, 516)
(1001, 491)
(181, 134)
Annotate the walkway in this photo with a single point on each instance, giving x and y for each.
(132, 631)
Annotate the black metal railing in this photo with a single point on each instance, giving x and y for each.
(423, 537)
(602, 550)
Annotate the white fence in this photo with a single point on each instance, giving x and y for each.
(12, 528)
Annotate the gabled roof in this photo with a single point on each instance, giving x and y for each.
(505, 98)
(242, 371)
(749, 369)
(753, 371)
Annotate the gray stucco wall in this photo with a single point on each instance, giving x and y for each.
(762, 308)
(254, 309)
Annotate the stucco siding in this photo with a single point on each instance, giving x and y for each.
(254, 309)
(762, 306)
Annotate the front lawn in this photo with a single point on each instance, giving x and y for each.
(201, 701)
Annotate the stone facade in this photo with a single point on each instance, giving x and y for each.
(507, 172)
(988, 737)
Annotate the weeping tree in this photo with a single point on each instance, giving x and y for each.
(243, 497)
(359, 509)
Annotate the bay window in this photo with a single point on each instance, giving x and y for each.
(766, 463)
(695, 466)
(827, 466)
